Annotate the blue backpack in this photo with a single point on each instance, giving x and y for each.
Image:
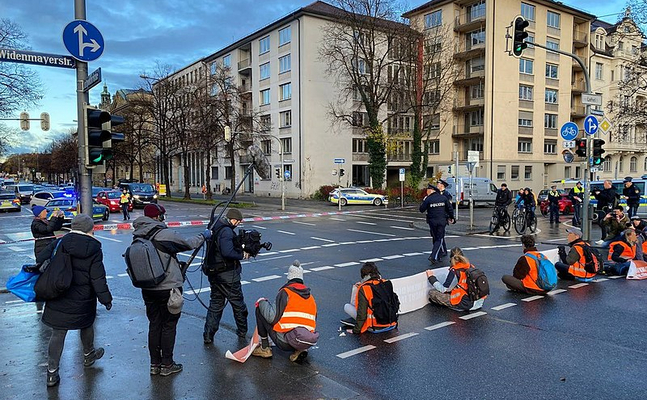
(546, 272)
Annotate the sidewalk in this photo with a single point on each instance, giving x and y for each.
(123, 373)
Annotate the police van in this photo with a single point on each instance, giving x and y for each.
(618, 184)
(483, 190)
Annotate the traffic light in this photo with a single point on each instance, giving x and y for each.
(44, 121)
(519, 36)
(580, 147)
(278, 172)
(24, 121)
(598, 151)
(95, 136)
(341, 172)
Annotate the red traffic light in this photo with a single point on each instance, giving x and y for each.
(580, 147)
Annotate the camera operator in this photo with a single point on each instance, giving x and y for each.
(222, 267)
(614, 223)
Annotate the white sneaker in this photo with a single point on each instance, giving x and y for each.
(600, 242)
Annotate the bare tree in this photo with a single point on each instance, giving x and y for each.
(20, 87)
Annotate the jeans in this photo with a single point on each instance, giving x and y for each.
(562, 270)
(577, 212)
(162, 326)
(225, 286)
(633, 209)
(615, 268)
(57, 341)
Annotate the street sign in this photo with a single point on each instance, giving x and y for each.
(591, 99)
(31, 57)
(288, 161)
(605, 125)
(287, 174)
(473, 157)
(470, 166)
(83, 40)
(568, 144)
(339, 160)
(401, 174)
(569, 131)
(93, 80)
(595, 169)
(599, 113)
(590, 125)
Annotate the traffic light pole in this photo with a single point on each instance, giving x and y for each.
(85, 174)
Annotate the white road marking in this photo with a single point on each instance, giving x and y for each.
(370, 233)
(600, 280)
(472, 315)
(109, 277)
(504, 306)
(348, 264)
(532, 298)
(346, 243)
(393, 257)
(556, 291)
(107, 238)
(244, 282)
(400, 337)
(330, 245)
(322, 239)
(412, 254)
(16, 248)
(258, 227)
(304, 223)
(402, 227)
(364, 241)
(122, 275)
(356, 351)
(470, 248)
(14, 301)
(311, 248)
(555, 240)
(371, 260)
(287, 233)
(440, 325)
(616, 277)
(266, 278)
(365, 223)
(267, 259)
(289, 251)
(269, 253)
(579, 285)
(337, 219)
(189, 255)
(198, 291)
(322, 268)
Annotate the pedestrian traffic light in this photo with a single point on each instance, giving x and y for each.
(519, 36)
(341, 172)
(598, 151)
(24, 121)
(95, 136)
(277, 171)
(44, 121)
(580, 147)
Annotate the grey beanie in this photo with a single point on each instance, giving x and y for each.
(295, 271)
(83, 223)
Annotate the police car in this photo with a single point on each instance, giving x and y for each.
(9, 201)
(618, 184)
(356, 196)
(69, 206)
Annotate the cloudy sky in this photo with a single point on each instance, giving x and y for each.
(139, 33)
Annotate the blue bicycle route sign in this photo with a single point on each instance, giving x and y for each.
(569, 131)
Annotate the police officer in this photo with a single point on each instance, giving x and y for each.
(442, 188)
(222, 267)
(439, 212)
(632, 193)
(553, 204)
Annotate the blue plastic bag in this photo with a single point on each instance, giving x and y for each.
(22, 285)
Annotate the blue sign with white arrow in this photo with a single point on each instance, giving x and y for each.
(590, 125)
(569, 131)
(83, 40)
(287, 174)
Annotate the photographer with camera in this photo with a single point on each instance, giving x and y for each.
(222, 267)
(614, 223)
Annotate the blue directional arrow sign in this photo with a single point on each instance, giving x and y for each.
(569, 131)
(590, 125)
(83, 40)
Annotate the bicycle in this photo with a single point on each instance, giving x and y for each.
(523, 219)
(500, 219)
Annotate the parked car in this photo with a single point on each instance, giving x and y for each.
(23, 190)
(41, 198)
(565, 205)
(140, 193)
(356, 196)
(69, 208)
(9, 201)
(111, 200)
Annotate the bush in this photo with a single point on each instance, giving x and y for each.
(323, 192)
(411, 195)
(375, 191)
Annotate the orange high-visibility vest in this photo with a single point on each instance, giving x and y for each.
(298, 312)
(577, 269)
(460, 290)
(530, 281)
(628, 252)
(370, 318)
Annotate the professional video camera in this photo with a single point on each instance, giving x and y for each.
(250, 240)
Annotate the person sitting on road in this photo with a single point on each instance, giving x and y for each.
(453, 292)
(361, 308)
(614, 223)
(621, 252)
(291, 324)
(573, 265)
(641, 247)
(524, 275)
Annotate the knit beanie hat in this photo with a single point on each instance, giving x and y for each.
(295, 271)
(37, 210)
(83, 223)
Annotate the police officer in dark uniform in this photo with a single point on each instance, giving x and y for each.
(222, 267)
(632, 193)
(439, 212)
(442, 188)
(607, 199)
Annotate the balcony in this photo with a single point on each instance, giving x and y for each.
(465, 105)
(577, 66)
(466, 51)
(467, 22)
(470, 131)
(245, 67)
(398, 157)
(578, 111)
(245, 90)
(471, 78)
(580, 39)
(578, 87)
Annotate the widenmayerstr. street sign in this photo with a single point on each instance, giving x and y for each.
(93, 80)
(591, 99)
(32, 57)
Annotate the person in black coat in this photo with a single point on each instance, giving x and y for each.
(632, 193)
(76, 309)
(42, 228)
(553, 204)
(607, 199)
(439, 212)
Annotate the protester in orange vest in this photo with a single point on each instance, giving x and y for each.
(292, 323)
(453, 293)
(573, 265)
(361, 308)
(621, 252)
(524, 275)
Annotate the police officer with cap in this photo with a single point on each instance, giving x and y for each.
(442, 188)
(632, 193)
(439, 212)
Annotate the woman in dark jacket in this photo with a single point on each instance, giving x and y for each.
(43, 228)
(77, 307)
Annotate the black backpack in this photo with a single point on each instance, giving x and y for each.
(593, 259)
(56, 276)
(477, 284)
(386, 303)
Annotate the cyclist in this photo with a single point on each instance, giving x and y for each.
(503, 200)
(529, 203)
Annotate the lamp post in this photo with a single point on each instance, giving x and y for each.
(282, 178)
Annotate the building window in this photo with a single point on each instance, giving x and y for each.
(228, 171)
(226, 61)
(286, 143)
(359, 146)
(552, 19)
(434, 19)
(607, 164)
(621, 164)
(552, 44)
(550, 146)
(500, 172)
(525, 122)
(475, 38)
(525, 66)
(525, 92)
(551, 71)
(285, 36)
(528, 11)
(550, 121)
(266, 146)
(514, 172)
(530, 40)
(633, 164)
(599, 42)
(285, 63)
(476, 64)
(476, 118)
(645, 164)
(476, 10)
(266, 122)
(285, 92)
(434, 147)
(214, 173)
(264, 70)
(551, 96)
(527, 175)
(599, 71)
(265, 97)
(286, 118)
(567, 172)
(264, 45)
(476, 91)
(524, 146)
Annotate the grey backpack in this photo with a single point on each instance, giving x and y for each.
(144, 264)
